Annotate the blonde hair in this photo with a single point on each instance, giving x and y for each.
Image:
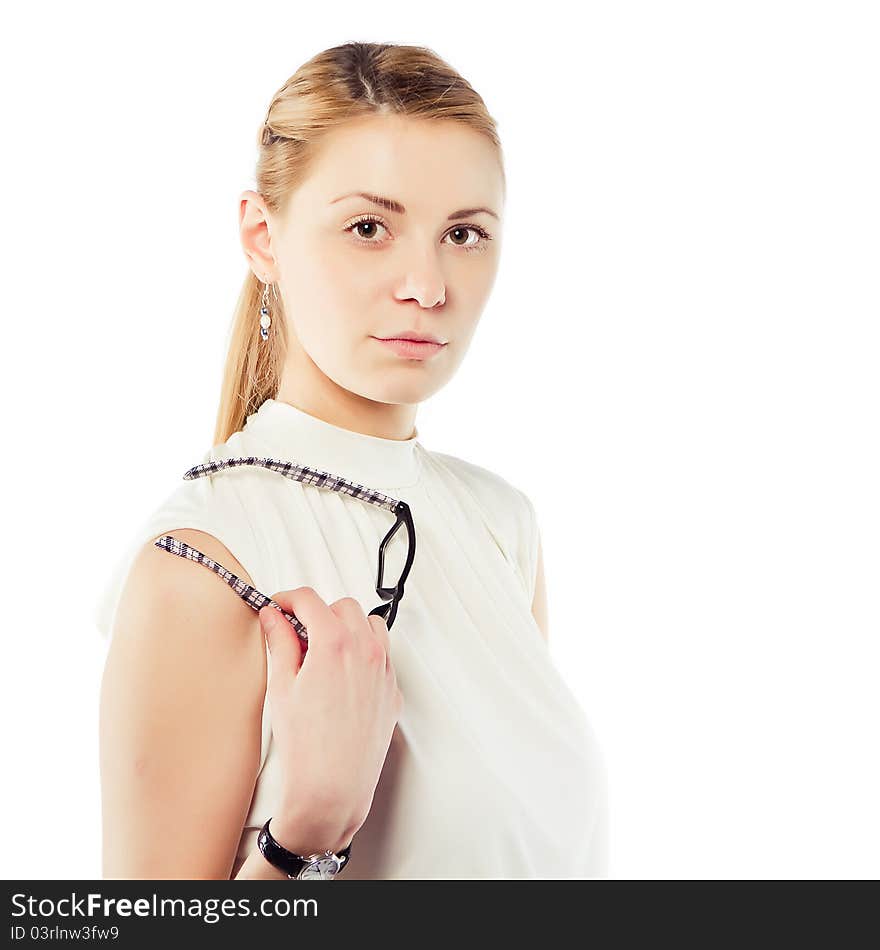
(339, 84)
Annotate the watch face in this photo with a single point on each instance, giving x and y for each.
(323, 868)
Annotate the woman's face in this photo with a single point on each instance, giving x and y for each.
(350, 270)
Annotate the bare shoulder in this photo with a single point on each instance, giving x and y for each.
(162, 586)
(181, 712)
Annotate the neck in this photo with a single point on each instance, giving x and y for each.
(348, 410)
(304, 386)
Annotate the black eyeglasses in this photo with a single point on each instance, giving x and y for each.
(390, 594)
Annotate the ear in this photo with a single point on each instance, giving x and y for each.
(255, 229)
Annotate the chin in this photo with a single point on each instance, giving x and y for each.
(400, 391)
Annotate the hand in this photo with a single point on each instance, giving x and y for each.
(334, 710)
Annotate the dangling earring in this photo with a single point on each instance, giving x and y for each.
(265, 319)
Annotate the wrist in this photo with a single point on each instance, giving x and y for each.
(304, 837)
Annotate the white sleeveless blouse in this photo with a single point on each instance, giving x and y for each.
(493, 771)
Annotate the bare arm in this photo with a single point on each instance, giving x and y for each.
(180, 720)
(539, 604)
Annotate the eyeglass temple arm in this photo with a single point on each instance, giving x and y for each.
(250, 595)
(299, 473)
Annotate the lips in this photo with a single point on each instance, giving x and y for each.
(415, 337)
(411, 349)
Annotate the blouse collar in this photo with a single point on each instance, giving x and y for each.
(293, 435)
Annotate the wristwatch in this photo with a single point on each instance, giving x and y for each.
(321, 866)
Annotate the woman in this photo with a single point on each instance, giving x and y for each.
(431, 737)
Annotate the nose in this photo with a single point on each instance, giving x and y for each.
(423, 280)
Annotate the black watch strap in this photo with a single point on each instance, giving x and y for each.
(278, 856)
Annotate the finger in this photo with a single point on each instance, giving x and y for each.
(323, 625)
(380, 629)
(282, 640)
(350, 612)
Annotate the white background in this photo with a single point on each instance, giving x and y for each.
(678, 364)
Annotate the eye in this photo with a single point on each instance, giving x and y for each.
(368, 222)
(365, 220)
(482, 237)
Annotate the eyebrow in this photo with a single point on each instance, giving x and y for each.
(389, 204)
